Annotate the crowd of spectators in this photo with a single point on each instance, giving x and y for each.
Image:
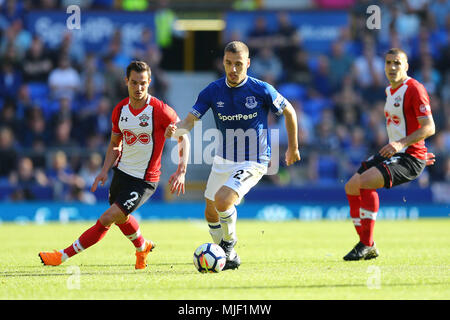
(340, 95)
(55, 103)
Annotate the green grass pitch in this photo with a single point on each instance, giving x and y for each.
(280, 261)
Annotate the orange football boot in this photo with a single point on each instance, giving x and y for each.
(51, 258)
(141, 256)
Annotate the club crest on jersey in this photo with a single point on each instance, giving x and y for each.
(397, 100)
(144, 120)
(250, 102)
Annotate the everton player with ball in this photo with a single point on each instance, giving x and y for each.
(137, 141)
(240, 105)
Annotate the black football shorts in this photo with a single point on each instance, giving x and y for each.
(128, 192)
(398, 169)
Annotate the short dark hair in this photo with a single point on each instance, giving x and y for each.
(236, 46)
(396, 51)
(138, 66)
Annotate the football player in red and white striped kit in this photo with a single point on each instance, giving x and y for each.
(137, 141)
(409, 122)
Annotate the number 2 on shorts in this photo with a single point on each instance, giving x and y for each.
(239, 174)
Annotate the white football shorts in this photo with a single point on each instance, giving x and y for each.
(239, 176)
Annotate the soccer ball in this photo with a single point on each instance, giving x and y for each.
(209, 258)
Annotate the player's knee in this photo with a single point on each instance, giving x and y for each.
(211, 214)
(348, 187)
(222, 205)
(222, 201)
(113, 215)
(352, 186)
(106, 220)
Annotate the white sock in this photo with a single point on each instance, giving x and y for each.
(64, 256)
(228, 223)
(215, 230)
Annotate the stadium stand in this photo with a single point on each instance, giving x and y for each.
(56, 97)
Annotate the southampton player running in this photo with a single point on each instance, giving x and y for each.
(137, 140)
(240, 105)
(409, 122)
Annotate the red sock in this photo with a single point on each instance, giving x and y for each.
(355, 205)
(90, 237)
(370, 204)
(131, 230)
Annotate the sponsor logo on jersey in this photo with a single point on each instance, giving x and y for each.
(131, 138)
(220, 104)
(144, 138)
(250, 102)
(237, 117)
(392, 118)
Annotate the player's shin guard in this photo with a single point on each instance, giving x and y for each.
(215, 230)
(90, 237)
(355, 206)
(370, 204)
(228, 223)
(132, 231)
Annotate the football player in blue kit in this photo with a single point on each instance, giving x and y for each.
(240, 105)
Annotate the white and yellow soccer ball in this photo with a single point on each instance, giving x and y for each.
(209, 258)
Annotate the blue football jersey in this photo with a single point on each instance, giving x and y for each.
(241, 114)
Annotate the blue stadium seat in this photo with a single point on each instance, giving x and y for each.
(42, 193)
(45, 104)
(4, 182)
(328, 169)
(313, 63)
(38, 90)
(5, 191)
(314, 107)
(292, 91)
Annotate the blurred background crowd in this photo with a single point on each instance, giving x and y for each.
(56, 102)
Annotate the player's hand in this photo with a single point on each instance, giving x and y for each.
(101, 178)
(170, 131)
(292, 156)
(176, 182)
(390, 149)
(431, 159)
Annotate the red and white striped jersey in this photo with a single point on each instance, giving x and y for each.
(404, 106)
(143, 138)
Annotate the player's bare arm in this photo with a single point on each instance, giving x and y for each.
(177, 179)
(112, 153)
(181, 128)
(290, 118)
(427, 129)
